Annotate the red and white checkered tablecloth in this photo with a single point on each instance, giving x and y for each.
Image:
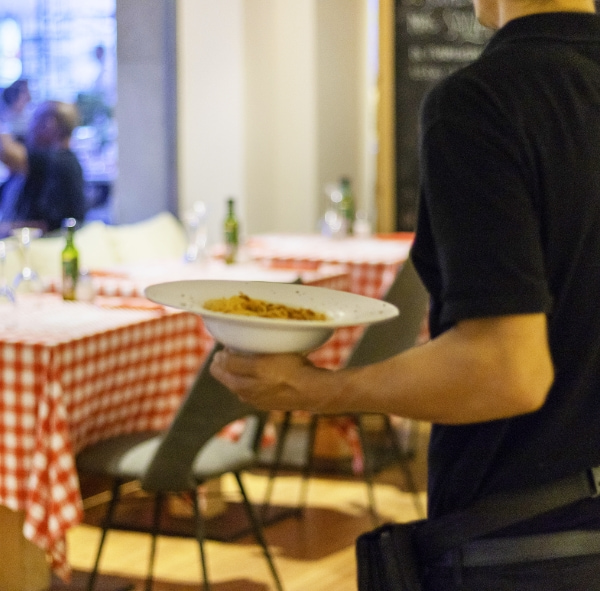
(72, 373)
(371, 262)
(372, 265)
(131, 280)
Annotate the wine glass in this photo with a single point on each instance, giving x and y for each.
(27, 281)
(7, 294)
(194, 221)
(333, 223)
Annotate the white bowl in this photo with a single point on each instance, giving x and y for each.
(253, 334)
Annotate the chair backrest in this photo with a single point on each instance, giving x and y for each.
(386, 339)
(208, 407)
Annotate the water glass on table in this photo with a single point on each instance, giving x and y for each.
(7, 294)
(27, 281)
(195, 223)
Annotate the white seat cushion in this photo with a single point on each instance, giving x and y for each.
(159, 237)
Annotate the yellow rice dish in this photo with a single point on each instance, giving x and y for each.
(247, 306)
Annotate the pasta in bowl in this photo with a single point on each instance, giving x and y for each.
(247, 306)
(322, 310)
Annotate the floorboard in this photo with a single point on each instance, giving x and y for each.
(313, 551)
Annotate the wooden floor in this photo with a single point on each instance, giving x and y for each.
(314, 551)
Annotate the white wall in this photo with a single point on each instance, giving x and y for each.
(211, 95)
(281, 115)
(338, 79)
(271, 106)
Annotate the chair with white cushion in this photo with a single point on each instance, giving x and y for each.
(189, 453)
(379, 341)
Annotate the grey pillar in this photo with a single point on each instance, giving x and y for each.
(146, 109)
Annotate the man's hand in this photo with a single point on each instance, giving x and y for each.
(270, 381)
(12, 153)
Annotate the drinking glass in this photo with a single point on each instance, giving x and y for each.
(333, 223)
(7, 294)
(27, 281)
(195, 222)
(362, 224)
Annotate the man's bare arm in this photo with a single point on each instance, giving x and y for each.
(480, 370)
(13, 153)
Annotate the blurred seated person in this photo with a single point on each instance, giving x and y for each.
(46, 181)
(14, 110)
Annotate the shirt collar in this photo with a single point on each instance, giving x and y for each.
(560, 26)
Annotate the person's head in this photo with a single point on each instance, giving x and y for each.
(17, 96)
(52, 124)
(99, 52)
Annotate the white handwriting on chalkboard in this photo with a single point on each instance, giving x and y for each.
(463, 26)
(426, 72)
(440, 3)
(443, 53)
(422, 23)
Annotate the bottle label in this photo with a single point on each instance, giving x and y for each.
(231, 236)
(70, 275)
(231, 243)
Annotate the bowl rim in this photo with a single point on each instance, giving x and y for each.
(385, 310)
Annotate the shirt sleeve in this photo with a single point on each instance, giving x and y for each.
(481, 206)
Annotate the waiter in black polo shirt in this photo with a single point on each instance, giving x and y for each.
(508, 245)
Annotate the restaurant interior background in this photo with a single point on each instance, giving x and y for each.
(263, 100)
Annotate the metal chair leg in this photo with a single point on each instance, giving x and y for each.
(258, 532)
(276, 463)
(308, 460)
(158, 504)
(368, 468)
(403, 458)
(200, 537)
(106, 523)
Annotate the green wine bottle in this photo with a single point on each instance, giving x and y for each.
(231, 233)
(70, 261)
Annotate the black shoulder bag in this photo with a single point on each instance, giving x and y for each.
(389, 557)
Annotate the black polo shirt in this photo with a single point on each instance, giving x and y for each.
(509, 223)
(54, 188)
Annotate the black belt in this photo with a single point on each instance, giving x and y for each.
(439, 537)
(512, 550)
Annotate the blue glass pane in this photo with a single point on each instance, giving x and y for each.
(66, 49)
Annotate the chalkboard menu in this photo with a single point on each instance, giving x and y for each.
(433, 38)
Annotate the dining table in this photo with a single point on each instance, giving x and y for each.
(372, 261)
(131, 280)
(74, 372)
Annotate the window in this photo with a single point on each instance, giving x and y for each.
(66, 49)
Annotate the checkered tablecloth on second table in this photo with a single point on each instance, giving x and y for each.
(131, 280)
(70, 374)
(371, 262)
